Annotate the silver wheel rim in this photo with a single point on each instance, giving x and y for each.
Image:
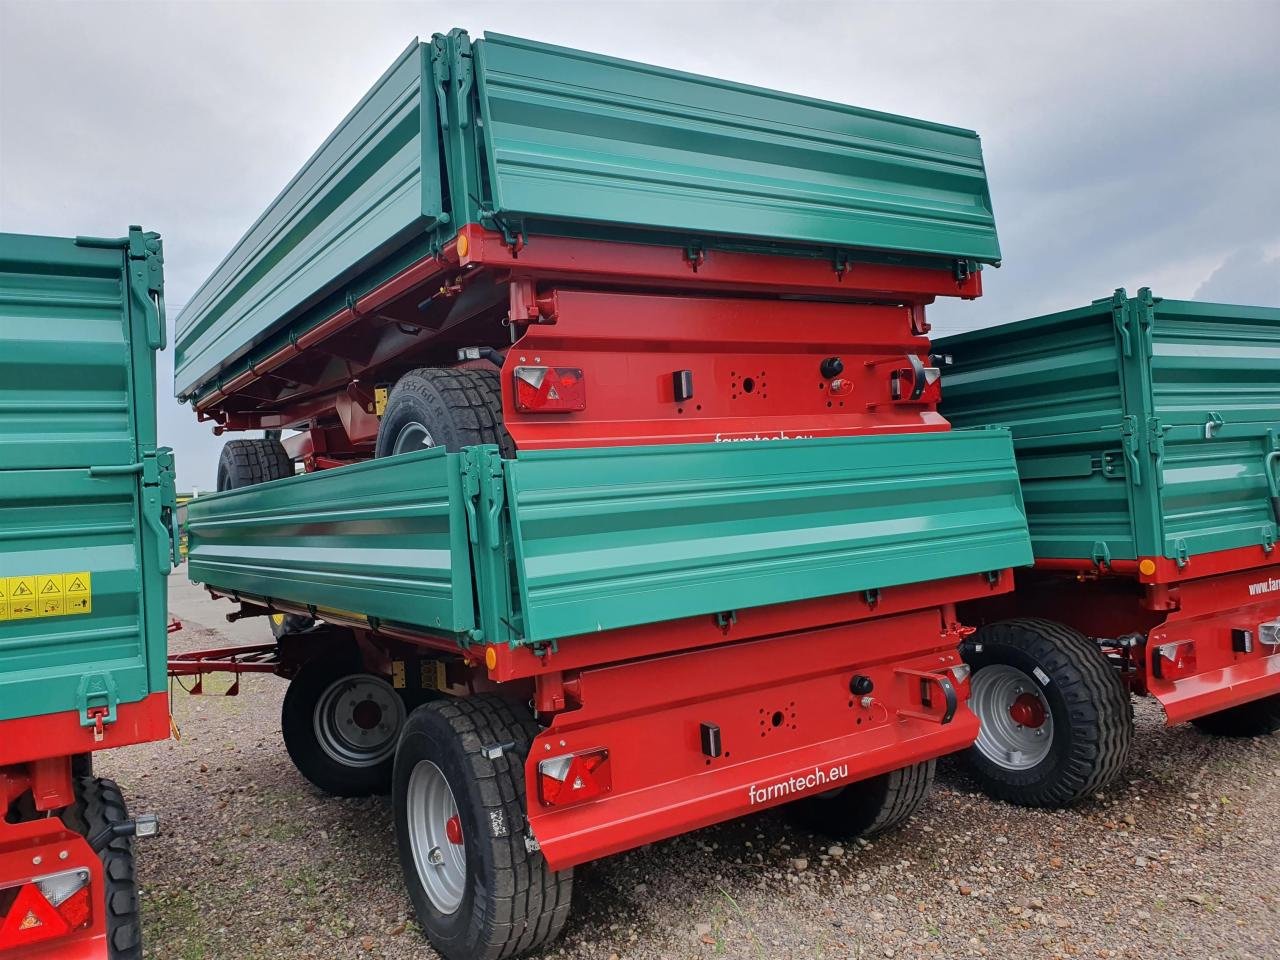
(413, 436)
(994, 691)
(441, 861)
(357, 720)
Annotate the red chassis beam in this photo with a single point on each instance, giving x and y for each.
(786, 722)
(748, 369)
(1214, 614)
(476, 251)
(60, 734)
(1164, 570)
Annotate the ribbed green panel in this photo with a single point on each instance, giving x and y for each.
(370, 186)
(577, 136)
(61, 521)
(1196, 386)
(82, 487)
(609, 538)
(66, 394)
(1056, 375)
(1211, 357)
(386, 539)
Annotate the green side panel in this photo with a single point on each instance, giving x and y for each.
(1141, 424)
(577, 136)
(385, 538)
(373, 184)
(1211, 358)
(85, 496)
(68, 392)
(1057, 383)
(613, 537)
(523, 136)
(1214, 374)
(57, 522)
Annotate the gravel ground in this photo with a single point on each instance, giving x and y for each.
(1179, 860)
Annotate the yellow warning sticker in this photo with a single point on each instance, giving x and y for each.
(46, 595)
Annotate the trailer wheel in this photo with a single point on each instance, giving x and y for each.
(1254, 719)
(478, 890)
(283, 624)
(246, 462)
(443, 407)
(340, 726)
(1056, 720)
(98, 805)
(868, 807)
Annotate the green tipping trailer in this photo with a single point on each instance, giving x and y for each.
(527, 138)
(689, 534)
(1147, 434)
(86, 522)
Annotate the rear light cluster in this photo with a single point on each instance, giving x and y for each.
(550, 389)
(574, 777)
(1173, 660)
(916, 383)
(44, 909)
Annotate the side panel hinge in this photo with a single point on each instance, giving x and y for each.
(695, 254)
(1180, 553)
(1101, 554)
(1129, 439)
(1155, 438)
(1120, 317)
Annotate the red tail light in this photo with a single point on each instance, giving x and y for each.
(574, 777)
(550, 389)
(1173, 660)
(44, 909)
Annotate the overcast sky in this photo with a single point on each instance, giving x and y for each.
(1127, 144)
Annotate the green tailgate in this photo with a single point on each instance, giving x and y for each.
(528, 137)
(1144, 427)
(84, 493)
(578, 541)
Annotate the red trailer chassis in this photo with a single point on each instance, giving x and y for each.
(626, 311)
(747, 335)
(36, 757)
(1200, 638)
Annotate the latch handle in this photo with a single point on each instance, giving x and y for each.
(1269, 467)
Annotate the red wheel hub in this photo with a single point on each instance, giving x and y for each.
(366, 714)
(453, 829)
(1027, 710)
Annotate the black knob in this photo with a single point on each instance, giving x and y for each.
(832, 367)
(861, 685)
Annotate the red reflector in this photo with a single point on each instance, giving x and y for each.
(550, 389)
(31, 919)
(574, 777)
(1173, 660)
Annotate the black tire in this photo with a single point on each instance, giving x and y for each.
(98, 805)
(1257, 718)
(512, 902)
(868, 807)
(283, 624)
(313, 731)
(452, 407)
(82, 765)
(1091, 724)
(244, 463)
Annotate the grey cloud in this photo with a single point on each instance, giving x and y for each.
(1246, 276)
